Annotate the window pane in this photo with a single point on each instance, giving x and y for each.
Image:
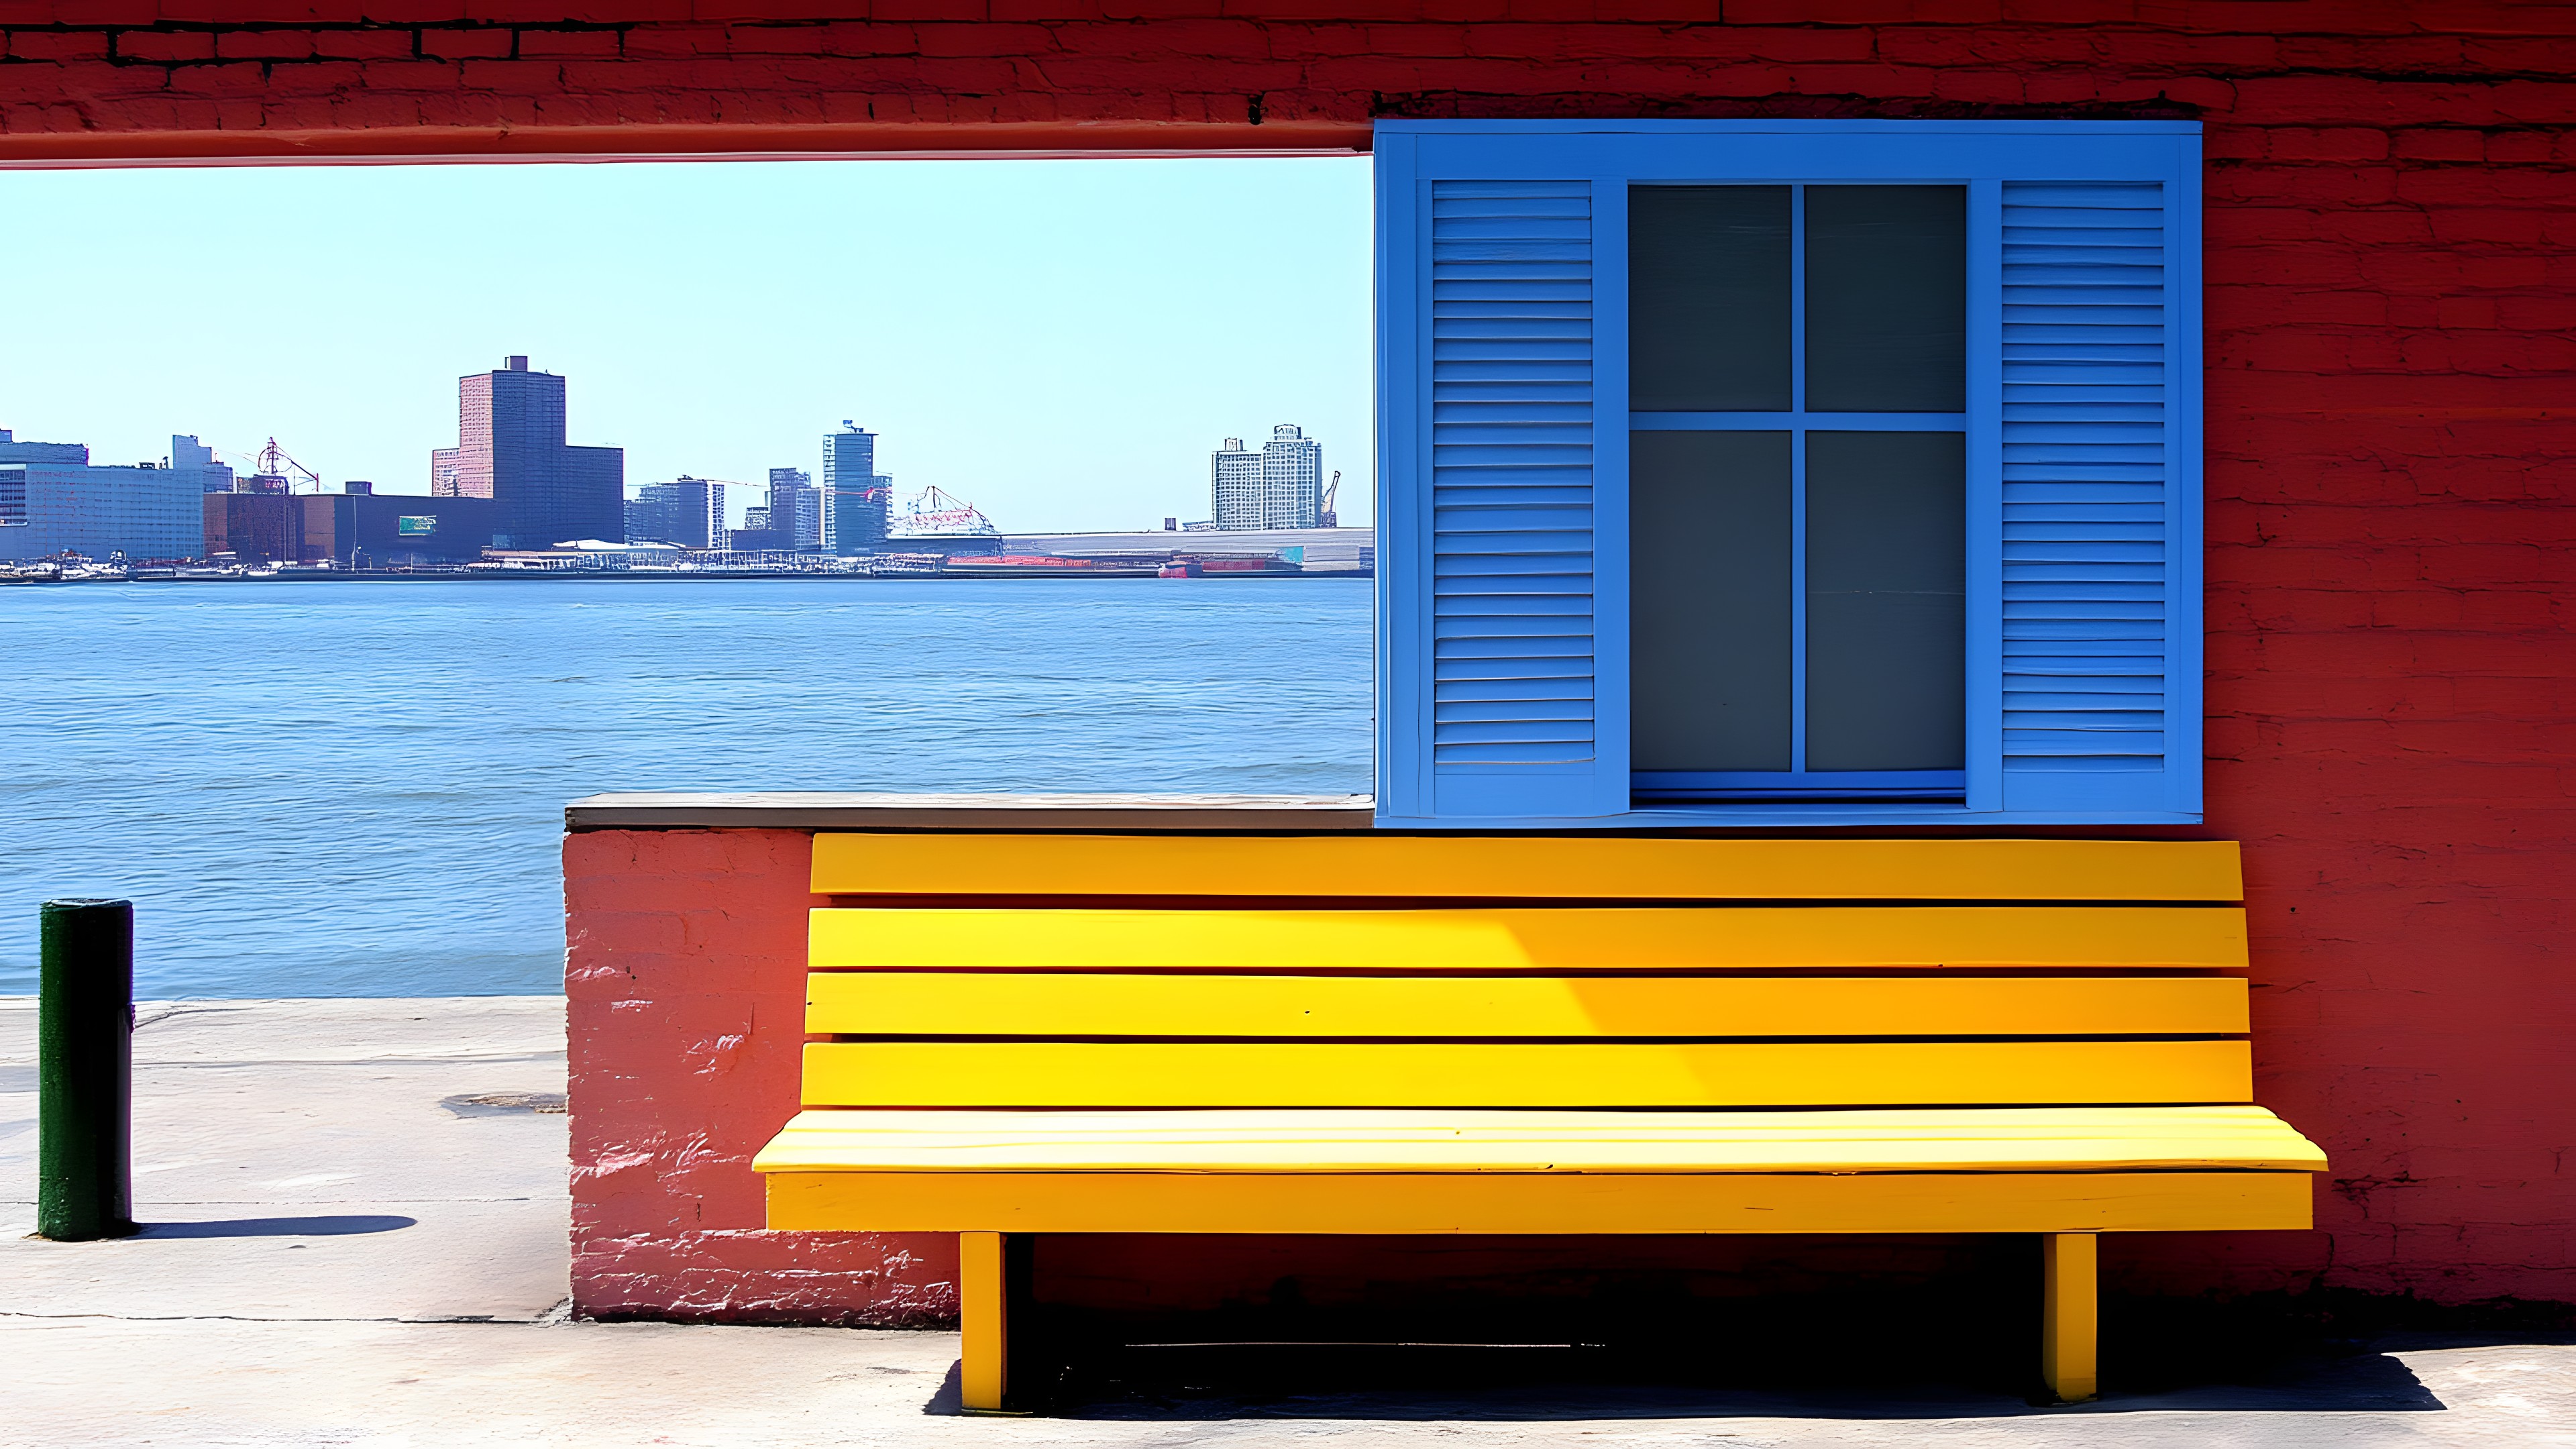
(1886, 601)
(1887, 299)
(1709, 605)
(1708, 298)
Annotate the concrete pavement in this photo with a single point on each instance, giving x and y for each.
(357, 1236)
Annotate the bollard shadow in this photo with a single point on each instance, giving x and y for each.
(329, 1225)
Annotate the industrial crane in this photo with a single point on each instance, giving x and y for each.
(1325, 517)
(272, 455)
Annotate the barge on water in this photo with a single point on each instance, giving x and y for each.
(1170, 564)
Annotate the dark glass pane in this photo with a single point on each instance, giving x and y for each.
(1887, 299)
(1708, 298)
(1709, 601)
(1887, 573)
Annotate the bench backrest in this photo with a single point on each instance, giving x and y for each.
(1522, 972)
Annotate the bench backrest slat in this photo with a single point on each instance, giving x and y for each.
(1057, 1005)
(1525, 868)
(1571, 939)
(1522, 1074)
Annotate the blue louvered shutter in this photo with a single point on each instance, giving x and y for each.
(1505, 327)
(2100, 606)
(1511, 489)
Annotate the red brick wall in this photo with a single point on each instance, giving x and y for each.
(2350, 96)
(2391, 453)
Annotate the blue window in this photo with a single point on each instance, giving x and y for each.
(1788, 473)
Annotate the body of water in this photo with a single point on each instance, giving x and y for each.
(357, 789)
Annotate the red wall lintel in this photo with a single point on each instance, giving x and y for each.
(627, 142)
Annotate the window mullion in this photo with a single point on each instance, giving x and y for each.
(1797, 481)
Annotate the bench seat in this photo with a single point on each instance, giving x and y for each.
(1011, 1036)
(2232, 1138)
(1986, 1170)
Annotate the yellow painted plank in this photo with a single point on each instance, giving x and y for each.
(970, 1003)
(1571, 939)
(1100, 1202)
(1528, 867)
(1989, 1139)
(1519, 1074)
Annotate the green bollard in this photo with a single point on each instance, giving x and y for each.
(85, 1072)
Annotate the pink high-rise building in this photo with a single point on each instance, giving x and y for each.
(510, 448)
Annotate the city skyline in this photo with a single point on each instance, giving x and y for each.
(514, 482)
(986, 313)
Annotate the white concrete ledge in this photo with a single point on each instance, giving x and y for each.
(836, 810)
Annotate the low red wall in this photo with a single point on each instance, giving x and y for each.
(2414, 1033)
(686, 972)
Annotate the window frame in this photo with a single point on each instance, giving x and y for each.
(1801, 783)
(1613, 156)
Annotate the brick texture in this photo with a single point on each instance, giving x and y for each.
(2391, 217)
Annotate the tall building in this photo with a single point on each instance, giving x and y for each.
(510, 448)
(52, 500)
(687, 511)
(796, 509)
(1292, 479)
(1282, 486)
(190, 456)
(856, 497)
(1236, 478)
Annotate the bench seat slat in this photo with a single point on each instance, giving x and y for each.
(1459, 1202)
(1506, 939)
(912, 1003)
(2093, 1139)
(1527, 868)
(1520, 1074)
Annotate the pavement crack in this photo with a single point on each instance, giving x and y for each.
(167, 1012)
(389, 1061)
(492, 1319)
(305, 1202)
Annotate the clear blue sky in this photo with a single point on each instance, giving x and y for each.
(1061, 342)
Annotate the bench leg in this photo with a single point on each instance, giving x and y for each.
(2070, 1315)
(983, 1309)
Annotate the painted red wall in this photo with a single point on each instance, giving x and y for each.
(686, 972)
(686, 976)
(2391, 264)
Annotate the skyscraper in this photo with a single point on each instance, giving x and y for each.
(688, 511)
(510, 449)
(1236, 479)
(856, 496)
(1282, 486)
(1292, 479)
(795, 509)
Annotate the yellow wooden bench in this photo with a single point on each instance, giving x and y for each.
(1411, 1034)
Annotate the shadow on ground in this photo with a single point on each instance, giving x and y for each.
(329, 1225)
(1808, 1356)
(1463, 1382)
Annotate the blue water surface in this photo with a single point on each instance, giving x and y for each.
(357, 789)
